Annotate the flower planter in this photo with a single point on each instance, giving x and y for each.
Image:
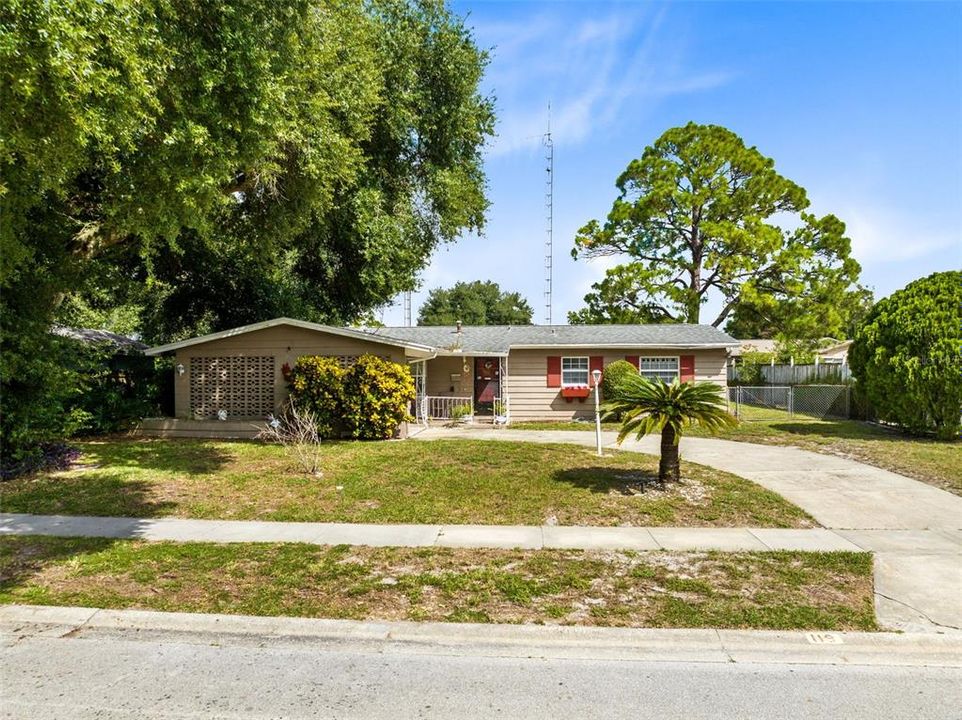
(570, 393)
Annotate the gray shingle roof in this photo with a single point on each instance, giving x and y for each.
(91, 335)
(498, 339)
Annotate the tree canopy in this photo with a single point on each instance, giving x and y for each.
(700, 212)
(475, 303)
(906, 356)
(333, 142)
(195, 165)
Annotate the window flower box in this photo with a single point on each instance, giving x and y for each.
(571, 392)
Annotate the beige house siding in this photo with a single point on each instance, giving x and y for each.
(285, 344)
(440, 383)
(532, 399)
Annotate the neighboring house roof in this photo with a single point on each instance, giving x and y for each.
(838, 349)
(330, 329)
(499, 339)
(757, 345)
(90, 335)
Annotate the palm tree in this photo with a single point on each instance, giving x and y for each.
(647, 406)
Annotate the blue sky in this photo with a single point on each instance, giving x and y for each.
(859, 103)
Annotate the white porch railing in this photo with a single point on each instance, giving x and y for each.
(441, 408)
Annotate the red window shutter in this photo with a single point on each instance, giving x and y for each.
(595, 362)
(633, 359)
(554, 371)
(687, 367)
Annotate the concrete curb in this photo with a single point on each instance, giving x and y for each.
(538, 641)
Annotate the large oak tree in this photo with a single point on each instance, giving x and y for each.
(699, 213)
(217, 162)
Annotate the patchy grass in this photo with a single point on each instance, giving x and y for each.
(770, 590)
(934, 462)
(442, 481)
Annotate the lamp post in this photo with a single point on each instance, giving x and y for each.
(596, 374)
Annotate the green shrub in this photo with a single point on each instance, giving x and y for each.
(317, 385)
(906, 356)
(748, 371)
(376, 397)
(613, 375)
(460, 412)
(57, 387)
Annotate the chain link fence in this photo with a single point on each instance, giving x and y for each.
(784, 402)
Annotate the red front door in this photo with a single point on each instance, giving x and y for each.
(486, 380)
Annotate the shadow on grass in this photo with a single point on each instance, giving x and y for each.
(850, 430)
(187, 456)
(106, 493)
(24, 556)
(606, 480)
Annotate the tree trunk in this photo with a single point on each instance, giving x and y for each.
(668, 470)
(693, 303)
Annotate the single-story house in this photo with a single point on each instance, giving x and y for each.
(757, 345)
(527, 372)
(836, 354)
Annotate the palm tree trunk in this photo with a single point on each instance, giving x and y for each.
(668, 465)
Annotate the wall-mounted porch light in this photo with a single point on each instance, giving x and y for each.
(180, 368)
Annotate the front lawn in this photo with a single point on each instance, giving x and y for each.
(441, 481)
(934, 462)
(769, 590)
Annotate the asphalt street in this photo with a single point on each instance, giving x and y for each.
(152, 675)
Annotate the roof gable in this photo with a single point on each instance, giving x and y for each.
(303, 324)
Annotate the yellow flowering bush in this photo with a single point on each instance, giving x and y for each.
(376, 396)
(317, 384)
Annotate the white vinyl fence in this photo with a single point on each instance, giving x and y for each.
(789, 402)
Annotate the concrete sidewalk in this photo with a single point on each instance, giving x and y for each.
(525, 537)
(918, 573)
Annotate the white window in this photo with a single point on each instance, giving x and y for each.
(574, 371)
(659, 368)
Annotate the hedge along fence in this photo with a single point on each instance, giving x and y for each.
(367, 401)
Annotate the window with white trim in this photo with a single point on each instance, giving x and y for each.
(659, 368)
(574, 371)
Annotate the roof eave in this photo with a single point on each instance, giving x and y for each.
(627, 346)
(447, 352)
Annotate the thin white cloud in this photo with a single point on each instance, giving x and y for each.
(880, 236)
(589, 71)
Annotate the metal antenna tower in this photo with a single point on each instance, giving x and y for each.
(549, 217)
(407, 308)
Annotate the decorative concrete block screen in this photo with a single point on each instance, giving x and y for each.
(349, 361)
(243, 386)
